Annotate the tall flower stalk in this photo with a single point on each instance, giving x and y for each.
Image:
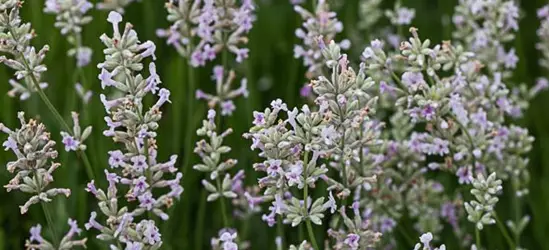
(134, 126)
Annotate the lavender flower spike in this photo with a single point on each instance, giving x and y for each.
(35, 150)
(133, 126)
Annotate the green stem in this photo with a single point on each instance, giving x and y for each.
(222, 202)
(311, 233)
(477, 237)
(504, 231)
(516, 202)
(312, 238)
(469, 137)
(190, 122)
(49, 219)
(280, 231)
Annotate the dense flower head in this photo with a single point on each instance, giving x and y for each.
(319, 27)
(33, 168)
(27, 61)
(133, 125)
(214, 24)
(70, 17)
(485, 27)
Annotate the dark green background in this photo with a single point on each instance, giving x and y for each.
(273, 73)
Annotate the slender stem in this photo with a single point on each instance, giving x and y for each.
(504, 231)
(49, 219)
(311, 233)
(190, 122)
(469, 137)
(399, 82)
(51, 107)
(222, 202)
(477, 237)
(516, 203)
(312, 238)
(280, 231)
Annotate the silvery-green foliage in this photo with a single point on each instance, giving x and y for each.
(303, 246)
(369, 12)
(70, 17)
(287, 146)
(26, 61)
(33, 168)
(211, 151)
(348, 107)
(36, 241)
(484, 190)
(116, 5)
(7, 4)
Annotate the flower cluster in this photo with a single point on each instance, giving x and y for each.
(33, 168)
(74, 141)
(211, 152)
(485, 27)
(543, 34)
(358, 235)
(70, 17)
(217, 25)
(133, 127)
(224, 94)
(16, 36)
(318, 26)
(484, 190)
(400, 15)
(36, 240)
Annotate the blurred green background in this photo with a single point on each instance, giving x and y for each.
(272, 72)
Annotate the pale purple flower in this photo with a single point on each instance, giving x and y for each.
(116, 159)
(465, 175)
(139, 163)
(352, 240)
(294, 175)
(405, 16)
(83, 56)
(413, 80)
(92, 223)
(71, 144)
(278, 105)
(227, 108)
(90, 187)
(306, 90)
(259, 118)
(35, 234)
(73, 228)
(146, 201)
(106, 78)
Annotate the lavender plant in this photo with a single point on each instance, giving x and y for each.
(318, 26)
(136, 167)
(218, 25)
